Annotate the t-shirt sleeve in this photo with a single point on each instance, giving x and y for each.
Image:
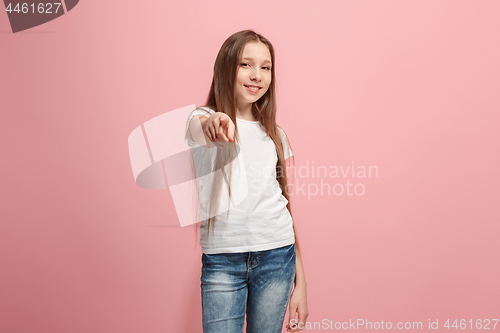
(188, 138)
(287, 150)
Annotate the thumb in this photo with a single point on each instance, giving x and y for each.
(292, 320)
(230, 130)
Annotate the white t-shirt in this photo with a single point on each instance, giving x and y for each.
(259, 220)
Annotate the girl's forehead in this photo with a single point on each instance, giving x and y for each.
(256, 51)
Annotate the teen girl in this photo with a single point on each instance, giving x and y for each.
(251, 257)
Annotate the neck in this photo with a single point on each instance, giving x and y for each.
(245, 112)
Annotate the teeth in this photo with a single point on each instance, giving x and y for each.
(253, 88)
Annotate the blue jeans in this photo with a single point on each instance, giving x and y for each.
(258, 283)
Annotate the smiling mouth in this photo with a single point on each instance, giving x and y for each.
(253, 88)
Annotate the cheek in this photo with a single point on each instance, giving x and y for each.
(269, 79)
(268, 84)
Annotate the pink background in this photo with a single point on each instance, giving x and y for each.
(408, 86)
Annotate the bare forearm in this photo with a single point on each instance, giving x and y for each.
(300, 278)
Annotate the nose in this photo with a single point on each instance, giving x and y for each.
(256, 74)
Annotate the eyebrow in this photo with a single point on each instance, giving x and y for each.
(252, 59)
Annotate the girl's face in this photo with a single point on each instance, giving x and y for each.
(254, 73)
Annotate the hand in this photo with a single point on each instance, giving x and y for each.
(298, 305)
(219, 128)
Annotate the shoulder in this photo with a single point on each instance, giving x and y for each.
(282, 132)
(200, 112)
(286, 144)
(284, 138)
(203, 110)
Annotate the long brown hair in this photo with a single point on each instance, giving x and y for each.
(221, 98)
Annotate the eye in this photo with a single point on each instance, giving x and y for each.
(267, 67)
(244, 63)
